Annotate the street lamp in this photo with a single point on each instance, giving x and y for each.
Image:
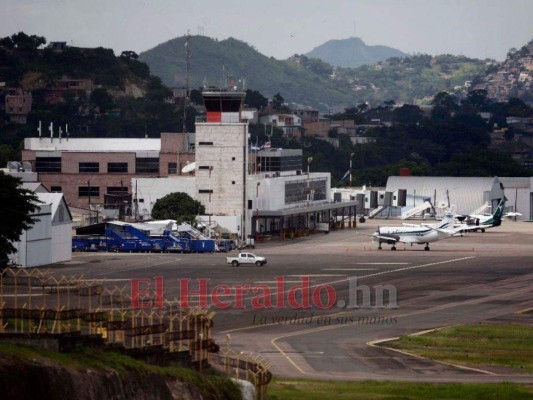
(351, 156)
(309, 160)
(257, 210)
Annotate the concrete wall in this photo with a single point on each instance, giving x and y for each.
(221, 166)
(34, 247)
(270, 195)
(519, 200)
(149, 190)
(61, 244)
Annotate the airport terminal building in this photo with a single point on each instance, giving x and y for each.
(247, 191)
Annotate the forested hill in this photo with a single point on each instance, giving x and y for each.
(309, 81)
(352, 52)
(209, 59)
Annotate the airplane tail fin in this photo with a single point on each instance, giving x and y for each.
(498, 213)
(448, 220)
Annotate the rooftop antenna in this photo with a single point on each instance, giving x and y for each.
(66, 131)
(60, 134)
(354, 28)
(51, 128)
(40, 130)
(187, 72)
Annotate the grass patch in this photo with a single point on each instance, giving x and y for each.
(211, 385)
(479, 345)
(295, 389)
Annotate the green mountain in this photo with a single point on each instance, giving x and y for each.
(309, 81)
(352, 52)
(209, 59)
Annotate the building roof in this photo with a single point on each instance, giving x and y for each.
(466, 193)
(93, 144)
(57, 201)
(517, 183)
(36, 187)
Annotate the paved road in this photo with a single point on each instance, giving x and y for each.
(479, 277)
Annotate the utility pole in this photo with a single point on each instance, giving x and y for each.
(351, 156)
(187, 72)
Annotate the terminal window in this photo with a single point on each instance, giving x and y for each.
(48, 164)
(88, 191)
(89, 167)
(117, 167)
(148, 165)
(172, 168)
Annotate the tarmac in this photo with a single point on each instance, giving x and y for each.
(358, 297)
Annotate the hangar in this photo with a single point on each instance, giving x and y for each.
(466, 193)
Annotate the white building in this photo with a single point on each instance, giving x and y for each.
(289, 123)
(222, 157)
(519, 193)
(146, 191)
(465, 193)
(246, 192)
(49, 240)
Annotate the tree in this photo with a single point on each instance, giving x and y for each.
(196, 96)
(7, 42)
(102, 99)
(129, 54)
(477, 100)
(16, 205)
(7, 153)
(444, 105)
(408, 114)
(179, 206)
(255, 99)
(25, 42)
(277, 101)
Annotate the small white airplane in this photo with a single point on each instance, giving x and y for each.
(485, 221)
(423, 234)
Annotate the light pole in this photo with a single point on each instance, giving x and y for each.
(309, 160)
(351, 156)
(257, 210)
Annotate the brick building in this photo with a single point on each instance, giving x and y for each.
(91, 171)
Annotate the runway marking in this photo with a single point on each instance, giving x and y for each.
(525, 311)
(317, 275)
(349, 269)
(409, 314)
(139, 268)
(376, 343)
(383, 263)
(346, 280)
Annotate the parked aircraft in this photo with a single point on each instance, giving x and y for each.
(484, 221)
(423, 234)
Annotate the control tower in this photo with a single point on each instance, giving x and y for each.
(222, 156)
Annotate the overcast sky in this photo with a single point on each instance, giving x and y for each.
(474, 28)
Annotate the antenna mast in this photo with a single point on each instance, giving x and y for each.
(187, 72)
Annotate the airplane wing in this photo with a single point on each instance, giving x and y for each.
(391, 238)
(467, 228)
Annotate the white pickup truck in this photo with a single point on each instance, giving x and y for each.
(246, 258)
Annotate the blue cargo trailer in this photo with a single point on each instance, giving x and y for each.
(203, 246)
